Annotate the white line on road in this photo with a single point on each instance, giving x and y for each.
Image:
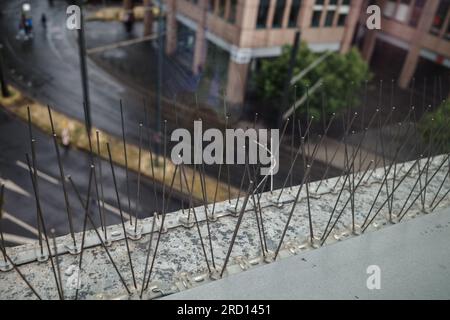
(116, 211)
(56, 182)
(39, 173)
(17, 239)
(20, 223)
(10, 185)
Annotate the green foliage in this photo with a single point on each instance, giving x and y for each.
(432, 127)
(341, 76)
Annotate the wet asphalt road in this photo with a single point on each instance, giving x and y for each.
(47, 69)
(20, 201)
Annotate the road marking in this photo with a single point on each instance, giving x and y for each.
(20, 223)
(115, 210)
(18, 239)
(14, 187)
(39, 173)
(53, 34)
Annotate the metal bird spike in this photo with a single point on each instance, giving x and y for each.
(121, 215)
(259, 222)
(33, 159)
(367, 223)
(148, 255)
(122, 122)
(83, 238)
(58, 268)
(62, 180)
(152, 162)
(296, 200)
(20, 273)
(236, 229)
(164, 165)
(91, 156)
(103, 244)
(138, 192)
(2, 193)
(291, 168)
(41, 218)
(160, 232)
(100, 174)
(417, 162)
(3, 247)
(197, 224)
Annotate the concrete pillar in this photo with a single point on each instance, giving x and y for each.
(270, 14)
(410, 64)
(350, 25)
(200, 40)
(246, 15)
(287, 11)
(369, 44)
(148, 17)
(306, 13)
(236, 82)
(409, 67)
(171, 28)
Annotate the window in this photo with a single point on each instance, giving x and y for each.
(329, 18)
(403, 11)
(293, 15)
(211, 5)
(416, 12)
(332, 2)
(233, 8)
(316, 19)
(263, 10)
(439, 18)
(279, 13)
(341, 19)
(389, 8)
(222, 4)
(320, 2)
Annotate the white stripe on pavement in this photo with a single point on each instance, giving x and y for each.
(39, 173)
(116, 211)
(20, 223)
(10, 185)
(17, 239)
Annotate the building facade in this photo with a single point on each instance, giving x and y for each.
(248, 30)
(421, 28)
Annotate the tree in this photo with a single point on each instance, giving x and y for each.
(433, 127)
(341, 75)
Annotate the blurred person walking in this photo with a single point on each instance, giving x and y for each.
(44, 21)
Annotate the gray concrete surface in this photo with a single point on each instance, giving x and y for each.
(180, 263)
(413, 257)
